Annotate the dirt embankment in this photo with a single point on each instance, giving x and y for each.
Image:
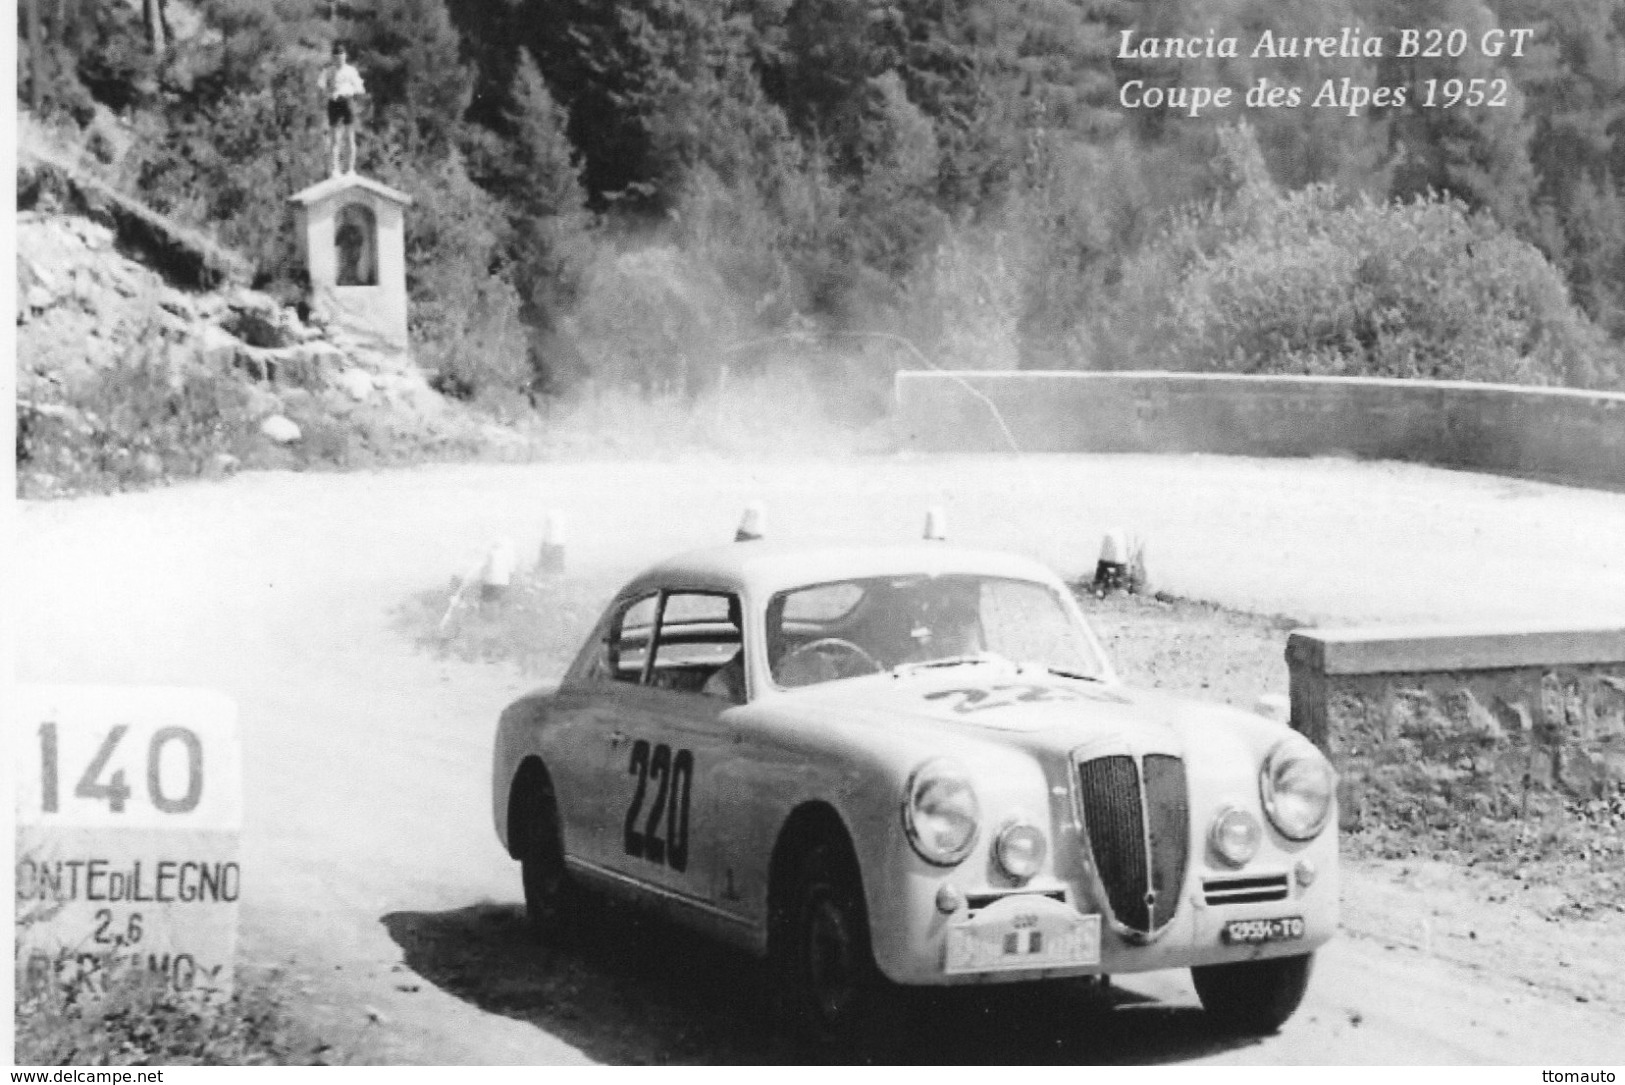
(127, 379)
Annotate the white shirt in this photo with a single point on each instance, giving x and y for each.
(346, 82)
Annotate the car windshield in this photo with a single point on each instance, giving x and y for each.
(845, 628)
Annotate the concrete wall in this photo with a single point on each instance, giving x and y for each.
(1463, 719)
(1559, 435)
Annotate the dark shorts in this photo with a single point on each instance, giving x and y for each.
(340, 111)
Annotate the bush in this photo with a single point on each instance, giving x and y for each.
(132, 1020)
(1301, 283)
(654, 320)
(99, 1012)
(159, 416)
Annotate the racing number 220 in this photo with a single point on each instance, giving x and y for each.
(673, 777)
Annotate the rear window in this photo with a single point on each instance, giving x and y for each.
(626, 642)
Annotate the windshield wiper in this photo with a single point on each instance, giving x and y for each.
(1062, 672)
(952, 661)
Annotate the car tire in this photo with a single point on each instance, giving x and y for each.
(831, 994)
(1253, 998)
(549, 894)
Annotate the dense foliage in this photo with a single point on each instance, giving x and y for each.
(629, 192)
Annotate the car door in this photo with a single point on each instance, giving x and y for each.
(598, 714)
(669, 746)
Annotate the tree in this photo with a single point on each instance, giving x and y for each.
(1573, 77)
(828, 59)
(547, 222)
(1478, 154)
(695, 93)
(418, 87)
(152, 13)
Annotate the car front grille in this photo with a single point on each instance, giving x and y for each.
(1248, 889)
(1136, 813)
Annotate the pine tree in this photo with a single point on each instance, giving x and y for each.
(697, 96)
(545, 198)
(1478, 154)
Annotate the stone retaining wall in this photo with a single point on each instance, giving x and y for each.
(1559, 435)
(1463, 719)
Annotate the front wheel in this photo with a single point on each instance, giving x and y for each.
(830, 990)
(1253, 998)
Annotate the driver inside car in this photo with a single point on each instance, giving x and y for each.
(949, 622)
(911, 623)
(728, 680)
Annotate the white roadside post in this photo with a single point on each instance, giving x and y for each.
(129, 814)
(496, 575)
(550, 556)
(1111, 571)
(753, 525)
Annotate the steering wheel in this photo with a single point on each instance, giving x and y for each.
(825, 647)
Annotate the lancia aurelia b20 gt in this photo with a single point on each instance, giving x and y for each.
(898, 766)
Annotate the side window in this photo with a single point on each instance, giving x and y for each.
(699, 636)
(625, 644)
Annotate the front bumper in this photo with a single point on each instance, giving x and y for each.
(991, 938)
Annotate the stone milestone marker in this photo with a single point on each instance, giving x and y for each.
(129, 813)
(352, 232)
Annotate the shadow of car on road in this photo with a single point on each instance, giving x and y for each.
(632, 988)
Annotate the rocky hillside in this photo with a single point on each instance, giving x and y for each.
(128, 379)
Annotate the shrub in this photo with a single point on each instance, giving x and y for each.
(1299, 282)
(160, 415)
(654, 320)
(964, 302)
(127, 1017)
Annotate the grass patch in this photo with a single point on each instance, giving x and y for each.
(130, 1018)
(538, 623)
(1541, 838)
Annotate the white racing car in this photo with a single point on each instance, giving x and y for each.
(913, 765)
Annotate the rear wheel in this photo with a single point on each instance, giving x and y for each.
(1253, 998)
(548, 892)
(830, 990)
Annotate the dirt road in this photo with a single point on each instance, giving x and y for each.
(373, 876)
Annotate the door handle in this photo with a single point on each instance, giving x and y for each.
(616, 738)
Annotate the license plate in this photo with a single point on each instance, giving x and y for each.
(1016, 934)
(1239, 932)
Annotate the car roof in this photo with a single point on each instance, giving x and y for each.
(761, 568)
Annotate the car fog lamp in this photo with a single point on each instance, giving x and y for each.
(941, 814)
(1305, 873)
(950, 899)
(1021, 849)
(1297, 784)
(1236, 835)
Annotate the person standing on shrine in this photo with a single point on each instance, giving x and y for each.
(342, 84)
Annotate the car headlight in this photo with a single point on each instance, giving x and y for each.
(1235, 835)
(941, 813)
(1020, 849)
(1297, 784)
